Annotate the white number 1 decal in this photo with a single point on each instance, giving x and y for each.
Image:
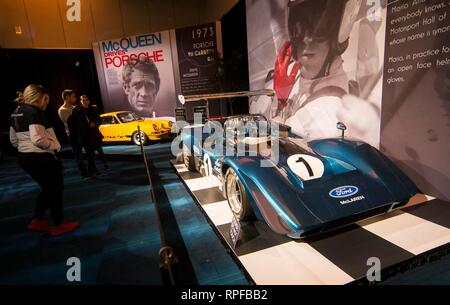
(305, 166)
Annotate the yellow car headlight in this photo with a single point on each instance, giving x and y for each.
(155, 127)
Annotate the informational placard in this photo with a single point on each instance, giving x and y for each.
(235, 231)
(198, 52)
(201, 112)
(418, 40)
(180, 114)
(138, 74)
(415, 118)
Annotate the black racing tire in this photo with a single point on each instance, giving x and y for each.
(135, 138)
(189, 159)
(237, 197)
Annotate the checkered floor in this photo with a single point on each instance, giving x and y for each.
(339, 257)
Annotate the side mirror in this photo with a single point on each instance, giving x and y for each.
(341, 126)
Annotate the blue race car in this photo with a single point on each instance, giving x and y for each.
(312, 187)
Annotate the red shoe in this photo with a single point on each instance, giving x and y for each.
(64, 228)
(39, 225)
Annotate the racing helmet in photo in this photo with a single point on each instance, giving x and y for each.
(323, 20)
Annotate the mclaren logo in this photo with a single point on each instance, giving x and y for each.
(347, 201)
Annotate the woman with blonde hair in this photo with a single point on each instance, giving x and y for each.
(37, 144)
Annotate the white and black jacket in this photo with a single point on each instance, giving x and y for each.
(30, 131)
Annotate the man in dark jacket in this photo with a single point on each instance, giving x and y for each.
(95, 136)
(79, 132)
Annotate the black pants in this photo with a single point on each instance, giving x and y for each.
(101, 154)
(77, 149)
(97, 144)
(46, 170)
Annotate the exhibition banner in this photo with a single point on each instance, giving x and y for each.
(324, 60)
(198, 50)
(415, 116)
(144, 73)
(138, 74)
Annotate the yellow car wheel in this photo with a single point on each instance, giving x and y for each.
(137, 139)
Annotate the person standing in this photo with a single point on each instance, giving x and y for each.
(93, 118)
(37, 144)
(65, 111)
(78, 124)
(77, 132)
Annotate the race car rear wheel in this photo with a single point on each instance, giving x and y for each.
(237, 198)
(137, 140)
(189, 159)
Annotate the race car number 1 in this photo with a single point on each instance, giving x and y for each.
(305, 166)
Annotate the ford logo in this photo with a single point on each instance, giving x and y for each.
(343, 191)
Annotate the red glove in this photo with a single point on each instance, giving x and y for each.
(283, 82)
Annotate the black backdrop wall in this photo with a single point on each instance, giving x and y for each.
(235, 62)
(56, 70)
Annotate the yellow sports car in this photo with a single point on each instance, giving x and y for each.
(123, 126)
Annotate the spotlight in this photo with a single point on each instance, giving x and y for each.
(18, 29)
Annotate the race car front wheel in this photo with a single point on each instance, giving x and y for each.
(137, 139)
(237, 197)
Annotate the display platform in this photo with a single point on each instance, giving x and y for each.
(417, 233)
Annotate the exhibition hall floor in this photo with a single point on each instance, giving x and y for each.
(118, 241)
(399, 240)
(115, 243)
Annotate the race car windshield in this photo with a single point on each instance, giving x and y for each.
(247, 129)
(126, 117)
(251, 125)
(255, 140)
